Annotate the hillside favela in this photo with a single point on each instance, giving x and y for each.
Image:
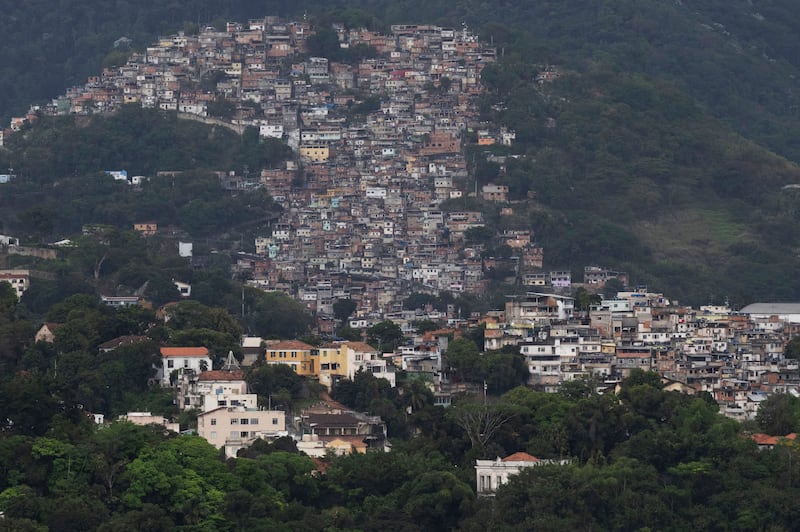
(321, 273)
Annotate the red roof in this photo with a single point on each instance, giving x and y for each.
(184, 352)
(290, 345)
(221, 375)
(520, 457)
(766, 439)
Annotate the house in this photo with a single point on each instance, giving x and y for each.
(298, 355)
(360, 356)
(8, 241)
(18, 279)
(120, 341)
(146, 228)
(178, 360)
(146, 418)
(237, 427)
(47, 332)
(331, 421)
(252, 351)
(120, 301)
(315, 153)
(491, 474)
(213, 389)
(498, 193)
(765, 441)
(184, 289)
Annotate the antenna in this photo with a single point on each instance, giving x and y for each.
(231, 363)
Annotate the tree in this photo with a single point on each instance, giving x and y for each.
(792, 349)
(348, 333)
(8, 297)
(436, 500)
(502, 371)
(479, 420)
(612, 286)
(275, 315)
(585, 299)
(275, 384)
(463, 356)
(779, 414)
(194, 315)
(362, 391)
(325, 43)
(385, 335)
(423, 326)
(343, 309)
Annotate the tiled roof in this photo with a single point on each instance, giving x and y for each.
(766, 439)
(360, 347)
(332, 420)
(289, 345)
(520, 457)
(184, 352)
(221, 375)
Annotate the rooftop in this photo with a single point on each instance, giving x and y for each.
(184, 352)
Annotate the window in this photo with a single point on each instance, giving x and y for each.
(294, 354)
(244, 421)
(243, 434)
(213, 421)
(234, 434)
(170, 363)
(254, 421)
(274, 421)
(213, 435)
(234, 421)
(185, 363)
(222, 403)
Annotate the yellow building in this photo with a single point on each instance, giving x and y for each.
(332, 364)
(343, 360)
(315, 152)
(146, 228)
(300, 356)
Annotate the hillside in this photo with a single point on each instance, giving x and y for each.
(63, 160)
(662, 147)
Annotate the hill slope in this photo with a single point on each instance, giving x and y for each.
(663, 148)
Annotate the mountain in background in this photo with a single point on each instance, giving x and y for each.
(663, 146)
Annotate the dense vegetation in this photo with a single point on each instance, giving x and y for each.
(645, 458)
(63, 162)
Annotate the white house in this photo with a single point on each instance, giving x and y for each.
(224, 388)
(182, 360)
(491, 474)
(18, 279)
(364, 357)
(185, 289)
(6, 240)
(146, 418)
(237, 427)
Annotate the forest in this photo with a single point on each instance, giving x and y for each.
(643, 458)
